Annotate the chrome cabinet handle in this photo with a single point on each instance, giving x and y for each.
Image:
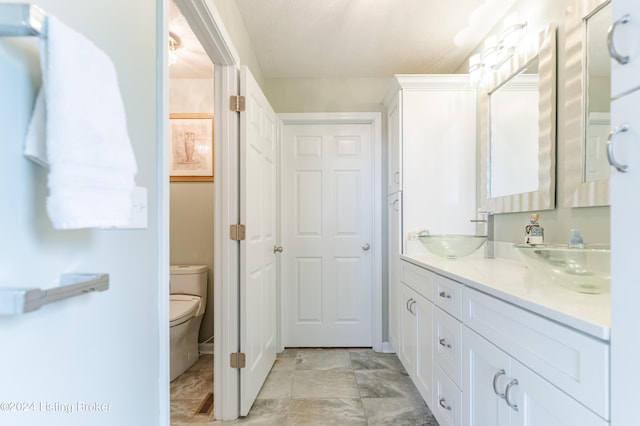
(411, 306)
(443, 342)
(277, 249)
(396, 205)
(495, 383)
(622, 59)
(365, 246)
(396, 177)
(407, 304)
(507, 393)
(612, 138)
(443, 404)
(444, 295)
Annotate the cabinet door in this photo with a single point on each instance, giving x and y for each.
(394, 243)
(485, 367)
(536, 402)
(408, 330)
(394, 141)
(626, 39)
(424, 356)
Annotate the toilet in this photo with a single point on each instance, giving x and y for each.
(188, 300)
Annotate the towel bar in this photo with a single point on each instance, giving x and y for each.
(20, 19)
(20, 300)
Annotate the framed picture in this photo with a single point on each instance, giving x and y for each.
(191, 147)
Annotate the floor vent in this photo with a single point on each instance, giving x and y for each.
(207, 405)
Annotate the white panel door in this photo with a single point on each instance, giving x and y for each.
(327, 231)
(258, 262)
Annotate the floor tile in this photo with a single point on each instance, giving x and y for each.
(314, 387)
(326, 412)
(397, 412)
(385, 384)
(324, 384)
(288, 363)
(183, 413)
(277, 386)
(367, 359)
(267, 412)
(323, 359)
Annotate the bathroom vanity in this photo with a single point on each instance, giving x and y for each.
(488, 343)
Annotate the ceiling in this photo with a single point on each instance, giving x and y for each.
(352, 38)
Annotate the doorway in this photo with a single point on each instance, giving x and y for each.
(191, 205)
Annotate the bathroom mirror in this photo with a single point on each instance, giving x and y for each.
(518, 129)
(588, 96)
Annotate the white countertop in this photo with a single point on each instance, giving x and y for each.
(511, 281)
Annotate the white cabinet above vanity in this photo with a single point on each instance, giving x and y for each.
(432, 151)
(507, 348)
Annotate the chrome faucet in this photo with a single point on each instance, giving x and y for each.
(487, 219)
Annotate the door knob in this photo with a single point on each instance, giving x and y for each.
(277, 249)
(365, 246)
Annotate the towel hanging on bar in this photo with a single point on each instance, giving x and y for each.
(79, 131)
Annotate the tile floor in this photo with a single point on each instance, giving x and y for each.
(315, 387)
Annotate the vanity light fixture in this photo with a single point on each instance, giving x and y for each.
(496, 52)
(174, 44)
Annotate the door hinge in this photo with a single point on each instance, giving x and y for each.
(237, 360)
(236, 103)
(237, 232)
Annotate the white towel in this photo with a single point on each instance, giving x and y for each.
(79, 131)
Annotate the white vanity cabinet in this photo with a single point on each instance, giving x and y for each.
(501, 391)
(415, 348)
(522, 369)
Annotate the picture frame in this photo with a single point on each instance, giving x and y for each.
(191, 147)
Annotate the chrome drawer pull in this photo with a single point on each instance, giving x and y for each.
(407, 304)
(495, 383)
(443, 404)
(612, 137)
(444, 295)
(507, 392)
(622, 59)
(443, 342)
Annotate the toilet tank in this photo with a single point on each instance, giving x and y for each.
(189, 279)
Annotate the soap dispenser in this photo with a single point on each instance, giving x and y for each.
(576, 240)
(534, 233)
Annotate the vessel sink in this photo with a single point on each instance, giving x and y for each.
(585, 270)
(452, 246)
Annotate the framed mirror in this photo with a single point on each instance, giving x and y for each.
(518, 130)
(588, 96)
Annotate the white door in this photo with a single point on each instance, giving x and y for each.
(327, 234)
(257, 258)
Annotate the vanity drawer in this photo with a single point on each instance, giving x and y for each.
(417, 278)
(447, 345)
(447, 403)
(447, 294)
(575, 363)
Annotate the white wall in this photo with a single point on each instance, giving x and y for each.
(99, 348)
(192, 203)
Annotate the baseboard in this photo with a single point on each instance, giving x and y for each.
(387, 348)
(205, 348)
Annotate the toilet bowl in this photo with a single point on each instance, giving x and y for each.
(187, 303)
